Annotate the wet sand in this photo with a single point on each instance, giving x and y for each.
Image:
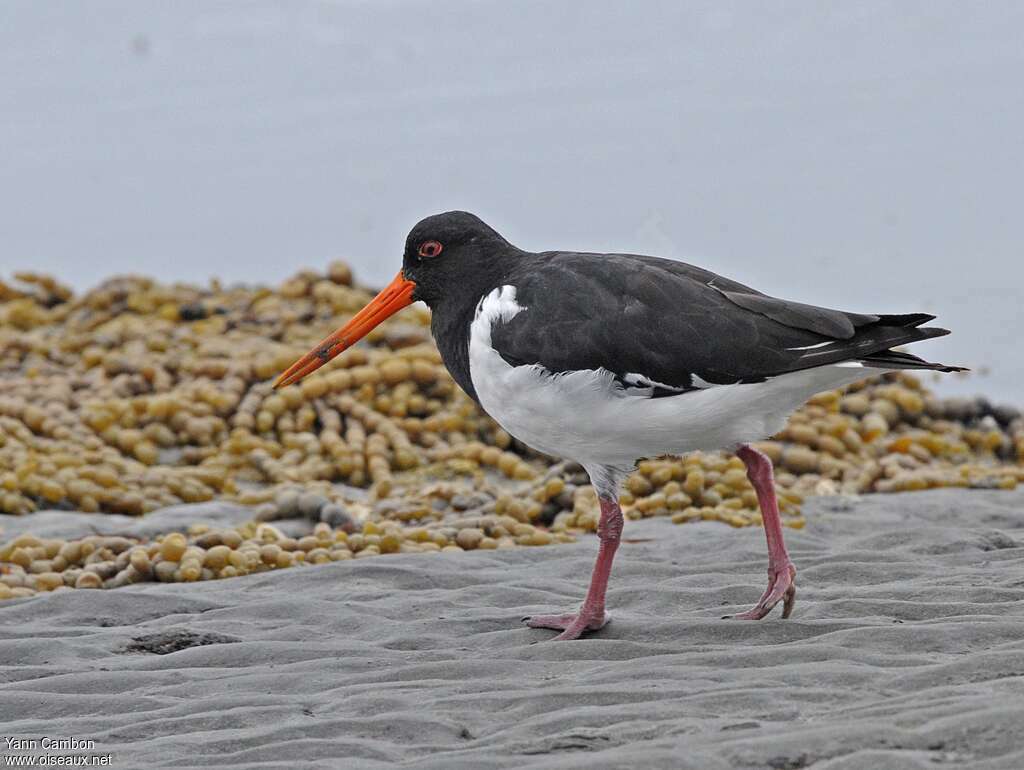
(905, 650)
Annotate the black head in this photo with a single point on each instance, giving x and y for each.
(454, 249)
(451, 260)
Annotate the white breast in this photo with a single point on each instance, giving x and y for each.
(587, 416)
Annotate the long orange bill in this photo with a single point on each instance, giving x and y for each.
(392, 298)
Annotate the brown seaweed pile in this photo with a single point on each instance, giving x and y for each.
(136, 396)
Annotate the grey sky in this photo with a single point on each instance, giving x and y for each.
(860, 155)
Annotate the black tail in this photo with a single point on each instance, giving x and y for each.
(909, 326)
(895, 359)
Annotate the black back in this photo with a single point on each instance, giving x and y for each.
(660, 325)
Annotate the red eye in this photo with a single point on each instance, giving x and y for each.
(430, 249)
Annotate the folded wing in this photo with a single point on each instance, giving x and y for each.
(665, 327)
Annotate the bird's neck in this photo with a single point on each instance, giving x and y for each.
(450, 324)
(454, 311)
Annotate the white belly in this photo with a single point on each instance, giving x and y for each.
(587, 417)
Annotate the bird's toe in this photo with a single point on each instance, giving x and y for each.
(781, 588)
(571, 624)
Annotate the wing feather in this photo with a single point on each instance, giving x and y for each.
(677, 327)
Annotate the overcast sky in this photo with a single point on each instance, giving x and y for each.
(860, 155)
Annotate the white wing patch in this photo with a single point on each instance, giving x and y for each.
(812, 347)
(640, 382)
(700, 382)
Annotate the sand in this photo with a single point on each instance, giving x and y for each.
(906, 650)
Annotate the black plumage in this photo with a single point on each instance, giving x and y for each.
(672, 323)
(675, 325)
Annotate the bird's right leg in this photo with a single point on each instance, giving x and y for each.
(781, 572)
(591, 615)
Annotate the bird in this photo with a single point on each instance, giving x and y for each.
(606, 359)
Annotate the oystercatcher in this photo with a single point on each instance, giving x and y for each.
(608, 358)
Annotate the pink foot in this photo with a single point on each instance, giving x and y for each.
(572, 625)
(591, 615)
(781, 587)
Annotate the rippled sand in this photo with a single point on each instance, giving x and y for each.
(906, 650)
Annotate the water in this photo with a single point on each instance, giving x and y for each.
(863, 155)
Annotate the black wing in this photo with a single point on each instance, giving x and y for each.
(662, 324)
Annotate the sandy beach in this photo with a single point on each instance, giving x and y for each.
(906, 650)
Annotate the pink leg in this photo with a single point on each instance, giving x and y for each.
(781, 572)
(591, 615)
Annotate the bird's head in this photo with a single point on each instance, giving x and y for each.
(443, 253)
(446, 250)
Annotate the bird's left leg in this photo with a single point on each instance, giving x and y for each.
(591, 615)
(781, 572)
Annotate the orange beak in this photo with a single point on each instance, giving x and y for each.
(392, 298)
